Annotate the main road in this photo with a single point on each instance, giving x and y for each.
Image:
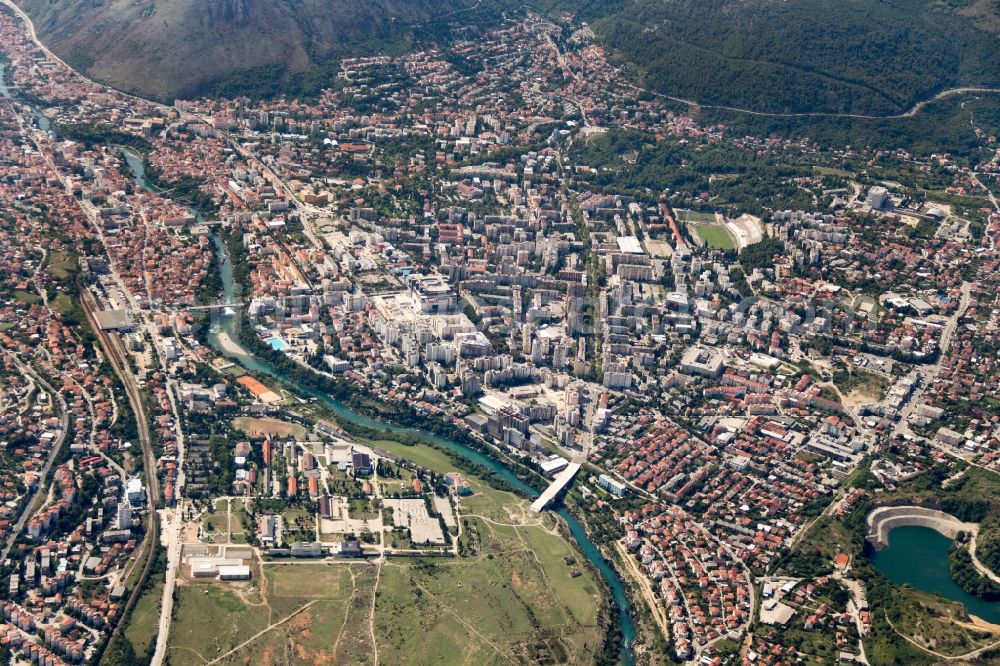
(932, 371)
(53, 454)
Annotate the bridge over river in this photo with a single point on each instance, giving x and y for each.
(561, 481)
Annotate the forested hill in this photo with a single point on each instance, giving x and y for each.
(857, 56)
(170, 48)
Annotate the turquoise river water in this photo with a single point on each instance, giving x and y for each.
(223, 338)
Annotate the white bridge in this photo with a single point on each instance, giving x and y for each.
(561, 481)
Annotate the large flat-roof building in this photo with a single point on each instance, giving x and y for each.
(613, 486)
(704, 362)
(234, 572)
(431, 294)
(114, 320)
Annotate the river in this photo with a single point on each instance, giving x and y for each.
(918, 556)
(224, 339)
(42, 119)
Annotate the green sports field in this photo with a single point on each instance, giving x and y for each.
(716, 237)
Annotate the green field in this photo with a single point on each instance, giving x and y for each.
(832, 171)
(303, 608)
(237, 533)
(694, 216)
(61, 264)
(141, 629)
(27, 298)
(311, 581)
(715, 237)
(62, 304)
(213, 522)
(520, 565)
(513, 598)
(209, 621)
(424, 456)
(478, 608)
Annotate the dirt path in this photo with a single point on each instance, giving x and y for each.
(980, 567)
(912, 111)
(939, 655)
(371, 612)
(483, 518)
(354, 588)
(647, 592)
(192, 651)
(263, 631)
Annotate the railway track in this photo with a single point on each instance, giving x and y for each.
(116, 356)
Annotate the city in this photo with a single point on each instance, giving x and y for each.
(457, 313)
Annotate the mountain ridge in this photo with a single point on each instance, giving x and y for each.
(863, 57)
(175, 48)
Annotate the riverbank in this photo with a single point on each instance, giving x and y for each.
(377, 421)
(370, 418)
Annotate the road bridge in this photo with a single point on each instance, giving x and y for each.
(214, 306)
(558, 484)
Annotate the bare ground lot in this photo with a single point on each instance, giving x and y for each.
(272, 427)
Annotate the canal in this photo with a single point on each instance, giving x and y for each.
(223, 337)
(918, 556)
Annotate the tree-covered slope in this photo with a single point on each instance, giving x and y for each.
(857, 56)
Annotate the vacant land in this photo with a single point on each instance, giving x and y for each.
(938, 624)
(831, 171)
(311, 581)
(214, 523)
(479, 608)
(141, 629)
(520, 595)
(61, 264)
(237, 533)
(62, 304)
(27, 298)
(209, 621)
(415, 628)
(864, 384)
(296, 617)
(424, 456)
(273, 427)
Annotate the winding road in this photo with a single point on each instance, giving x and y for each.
(912, 111)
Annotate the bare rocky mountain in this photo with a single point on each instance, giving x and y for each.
(171, 48)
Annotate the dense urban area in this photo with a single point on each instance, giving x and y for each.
(485, 355)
